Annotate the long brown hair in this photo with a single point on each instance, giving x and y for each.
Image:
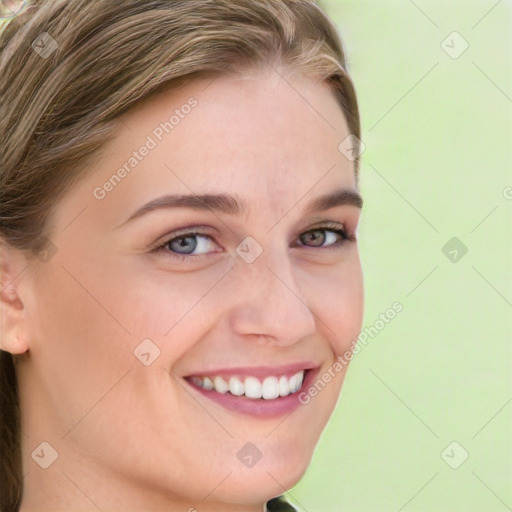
(60, 100)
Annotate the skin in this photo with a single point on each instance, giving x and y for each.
(134, 437)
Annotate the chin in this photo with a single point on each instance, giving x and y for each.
(273, 475)
(259, 486)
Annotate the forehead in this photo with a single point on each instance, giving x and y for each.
(266, 138)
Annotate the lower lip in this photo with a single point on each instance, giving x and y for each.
(258, 407)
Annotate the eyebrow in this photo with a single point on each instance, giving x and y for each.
(233, 205)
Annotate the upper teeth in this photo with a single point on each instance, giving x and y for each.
(252, 387)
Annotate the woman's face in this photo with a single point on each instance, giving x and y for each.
(145, 294)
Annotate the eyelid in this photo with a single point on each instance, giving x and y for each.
(190, 230)
(330, 225)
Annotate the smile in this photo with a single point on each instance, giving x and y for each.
(253, 387)
(255, 392)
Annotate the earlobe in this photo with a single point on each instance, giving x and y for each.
(10, 342)
(12, 309)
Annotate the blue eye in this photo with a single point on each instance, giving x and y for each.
(185, 247)
(188, 243)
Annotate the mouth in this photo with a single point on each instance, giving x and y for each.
(261, 392)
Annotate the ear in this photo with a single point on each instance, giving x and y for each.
(13, 263)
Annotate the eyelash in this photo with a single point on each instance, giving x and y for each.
(345, 234)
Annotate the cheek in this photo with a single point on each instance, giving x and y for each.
(78, 349)
(341, 305)
(170, 305)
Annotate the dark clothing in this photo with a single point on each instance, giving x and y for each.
(279, 504)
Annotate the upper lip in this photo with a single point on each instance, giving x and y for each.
(257, 371)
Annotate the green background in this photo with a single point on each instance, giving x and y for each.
(438, 158)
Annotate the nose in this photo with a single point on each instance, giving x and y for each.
(270, 303)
